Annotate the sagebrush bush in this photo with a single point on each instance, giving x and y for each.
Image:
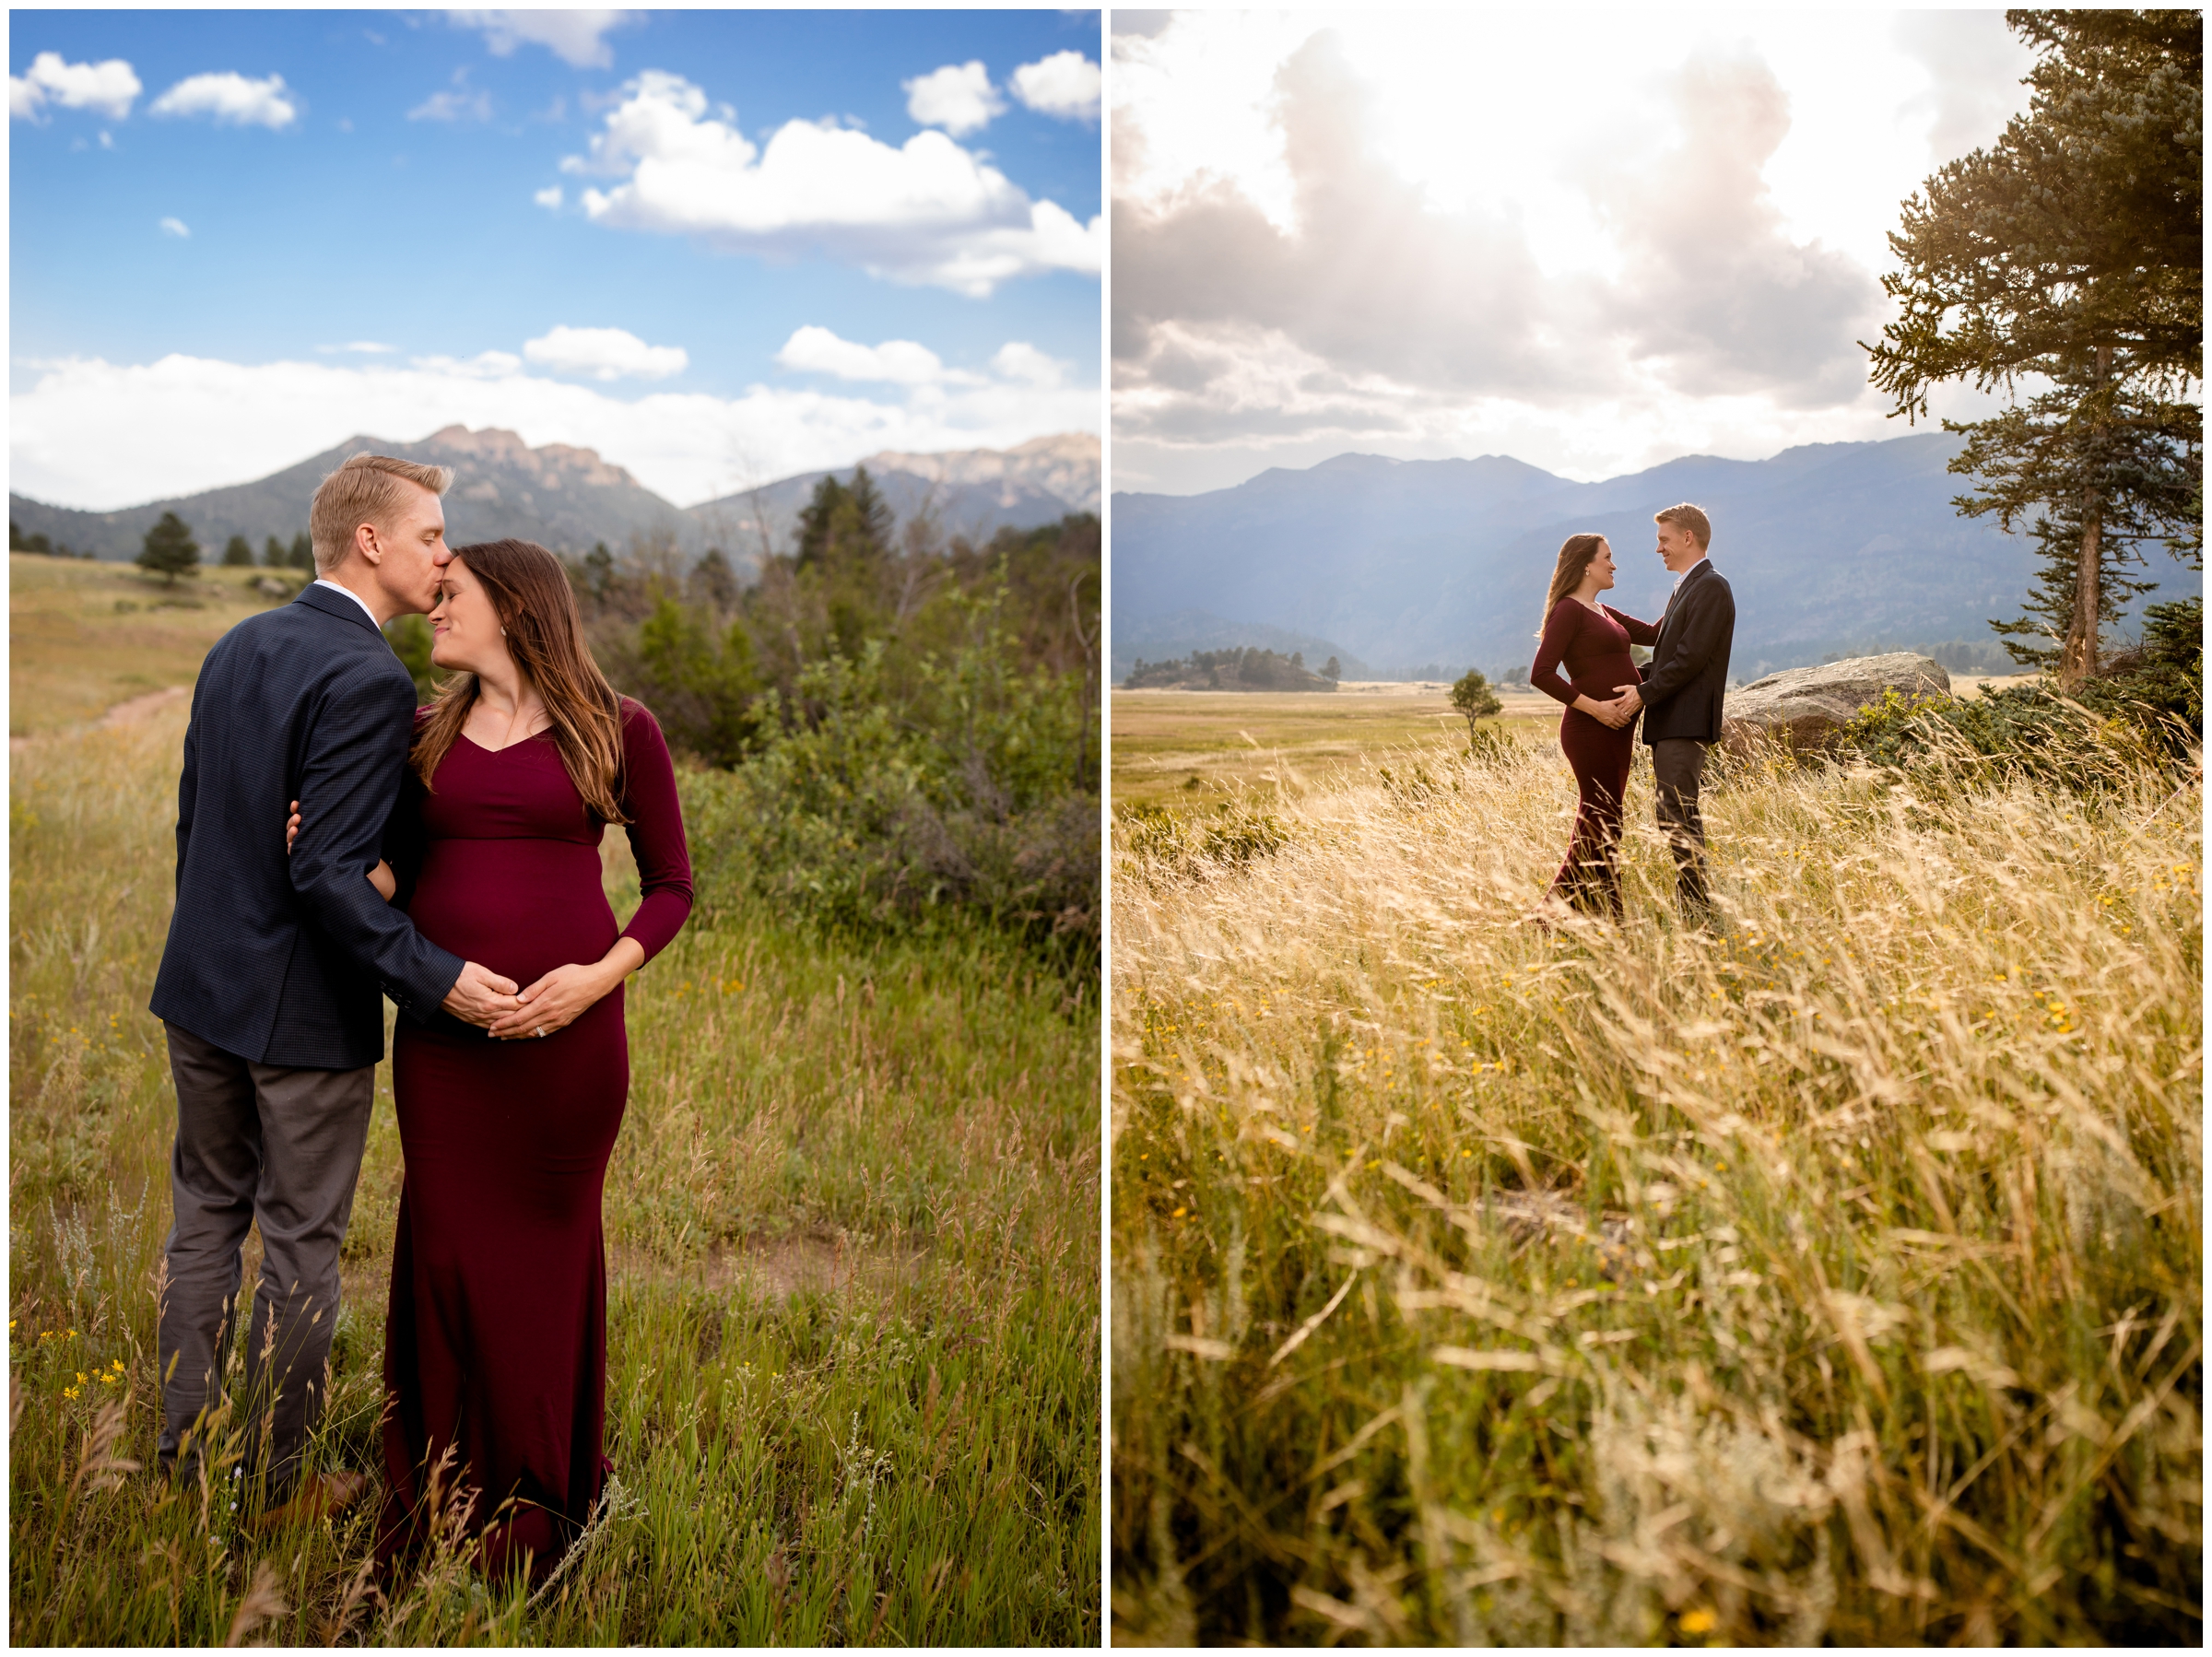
(965, 800)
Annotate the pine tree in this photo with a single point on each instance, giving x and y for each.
(2071, 250)
(273, 554)
(238, 553)
(2143, 480)
(1472, 696)
(715, 581)
(302, 555)
(170, 550)
(599, 571)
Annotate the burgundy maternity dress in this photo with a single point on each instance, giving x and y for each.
(1593, 648)
(495, 1343)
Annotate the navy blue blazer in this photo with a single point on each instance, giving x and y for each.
(280, 959)
(1686, 679)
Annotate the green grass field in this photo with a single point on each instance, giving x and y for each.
(854, 1336)
(1836, 1276)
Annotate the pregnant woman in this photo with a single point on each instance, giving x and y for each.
(1591, 640)
(495, 1342)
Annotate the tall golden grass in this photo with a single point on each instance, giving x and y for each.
(1832, 1274)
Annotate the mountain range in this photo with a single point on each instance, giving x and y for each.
(569, 498)
(1832, 548)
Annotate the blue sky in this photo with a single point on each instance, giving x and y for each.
(717, 246)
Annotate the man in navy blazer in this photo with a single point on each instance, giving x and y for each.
(272, 981)
(1684, 684)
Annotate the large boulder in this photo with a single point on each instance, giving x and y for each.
(1803, 706)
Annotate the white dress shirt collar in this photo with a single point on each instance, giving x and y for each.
(357, 598)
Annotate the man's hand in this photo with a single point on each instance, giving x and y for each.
(1630, 700)
(480, 995)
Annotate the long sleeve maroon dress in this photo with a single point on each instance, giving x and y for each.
(495, 1343)
(1595, 650)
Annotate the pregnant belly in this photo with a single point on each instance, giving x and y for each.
(519, 906)
(1605, 679)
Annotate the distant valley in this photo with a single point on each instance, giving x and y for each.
(1832, 548)
(569, 499)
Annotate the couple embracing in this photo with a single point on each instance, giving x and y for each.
(1679, 694)
(447, 857)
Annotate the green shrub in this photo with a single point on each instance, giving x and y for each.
(961, 803)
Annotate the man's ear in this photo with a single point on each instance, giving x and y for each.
(366, 542)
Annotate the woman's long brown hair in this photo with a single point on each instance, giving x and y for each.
(545, 635)
(1575, 554)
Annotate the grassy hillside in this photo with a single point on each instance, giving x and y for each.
(853, 1322)
(1836, 1276)
(82, 637)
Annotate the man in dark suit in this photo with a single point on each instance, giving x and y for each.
(270, 981)
(1683, 686)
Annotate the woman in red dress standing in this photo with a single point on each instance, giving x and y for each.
(1592, 641)
(495, 1341)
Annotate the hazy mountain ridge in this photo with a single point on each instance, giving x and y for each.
(567, 498)
(1831, 546)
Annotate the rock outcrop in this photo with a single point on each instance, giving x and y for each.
(1803, 706)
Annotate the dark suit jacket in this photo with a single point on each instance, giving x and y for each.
(1687, 674)
(280, 959)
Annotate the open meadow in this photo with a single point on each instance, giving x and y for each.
(1191, 748)
(1833, 1275)
(854, 1335)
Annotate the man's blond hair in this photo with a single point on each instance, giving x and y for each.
(1690, 518)
(366, 489)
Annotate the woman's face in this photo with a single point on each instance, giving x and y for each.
(1601, 566)
(464, 627)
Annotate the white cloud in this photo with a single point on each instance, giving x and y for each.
(813, 350)
(484, 365)
(107, 87)
(1019, 359)
(97, 435)
(926, 212)
(175, 227)
(577, 38)
(455, 103)
(958, 97)
(547, 198)
(603, 354)
(1065, 83)
(106, 141)
(231, 101)
(366, 347)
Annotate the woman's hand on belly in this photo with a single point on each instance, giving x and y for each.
(566, 993)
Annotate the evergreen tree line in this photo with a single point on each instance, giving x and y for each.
(40, 543)
(170, 551)
(1237, 668)
(884, 727)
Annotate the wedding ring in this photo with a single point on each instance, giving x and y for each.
(541, 1030)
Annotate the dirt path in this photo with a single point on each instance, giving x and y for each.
(135, 711)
